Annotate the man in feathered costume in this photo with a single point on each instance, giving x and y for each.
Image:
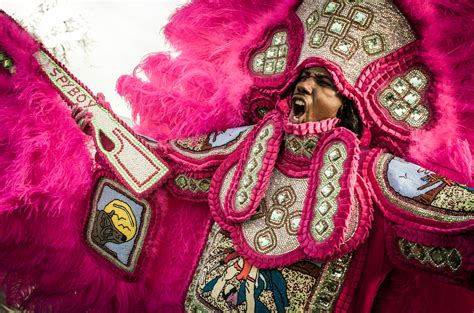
(281, 175)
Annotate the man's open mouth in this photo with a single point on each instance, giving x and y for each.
(298, 110)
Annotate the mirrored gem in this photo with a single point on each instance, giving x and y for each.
(438, 256)
(327, 190)
(242, 197)
(412, 98)
(334, 155)
(454, 259)
(277, 216)
(336, 271)
(388, 98)
(258, 62)
(399, 111)
(295, 223)
(400, 86)
(257, 149)
(283, 51)
(321, 227)
(247, 181)
(251, 165)
(264, 241)
(279, 38)
(373, 44)
(269, 67)
(324, 207)
(205, 185)
(312, 20)
(330, 171)
(181, 181)
(280, 65)
(272, 52)
(331, 8)
(318, 38)
(418, 116)
(360, 17)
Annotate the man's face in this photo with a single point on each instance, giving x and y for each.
(315, 97)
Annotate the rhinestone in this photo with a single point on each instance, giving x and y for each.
(360, 17)
(242, 197)
(283, 51)
(330, 171)
(247, 181)
(192, 185)
(251, 165)
(283, 198)
(405, 247)
(294, 145)
(295, 223)
(331, 7)
(279, 38)
(277, 215)
(258, 62)
(310, 145)
(257, 149)
(337, 27)
(317, 39)
(400, 86)
(419, 252)
(272, 52)
(388, 98)
(336, 271)
(312, 20)
(181, 181)
(331, 286)
(324, 301)
(327, 190)
(269, 67)
(264, 241)
(454, 259)
(399, 111)
(324, 207)
(205, 185)
(334, 155)
(417, 80)
(280, 65)
(438, 256)
(345, 47)
(321, 227)
(412, 98)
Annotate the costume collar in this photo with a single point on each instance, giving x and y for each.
(311, 128)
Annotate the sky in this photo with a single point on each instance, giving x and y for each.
(118, 34)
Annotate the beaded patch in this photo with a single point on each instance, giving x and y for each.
(273, 229)
(403, 98)
(327, 192)
(439, 257)
(301, 146)
(274, 59)
(127, 156)
(193, 185)
(252, 168)
(117, 225)
(226, 282)
(422, 192)
(352, 33)
(216, 143)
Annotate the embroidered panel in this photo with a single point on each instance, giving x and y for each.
(216, 143)
(252, 168)
(301, 146)
(225, 282)
(352, 33)
(273, 229)
(117, 225)
(438, 257)
(191, 184)
(127, 156)
(274, 59)
(328, 189)
(403, 98)
(422, 192)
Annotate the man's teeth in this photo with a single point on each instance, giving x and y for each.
(299, 102)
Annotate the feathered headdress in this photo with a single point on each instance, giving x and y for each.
(406, 65)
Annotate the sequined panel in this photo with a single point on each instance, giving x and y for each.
(217, 143)
(301, 146)
(273, 230)
(422, 192)
(328, 189)
(352, 34)
(185, 182)
(402, 99)
(225, 282)
(439, 257)
(252, 167)
(274, 59)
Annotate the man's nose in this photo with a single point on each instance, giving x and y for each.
(305, 87)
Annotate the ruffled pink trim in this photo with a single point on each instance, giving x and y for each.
(312, 128)
(323, 251)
